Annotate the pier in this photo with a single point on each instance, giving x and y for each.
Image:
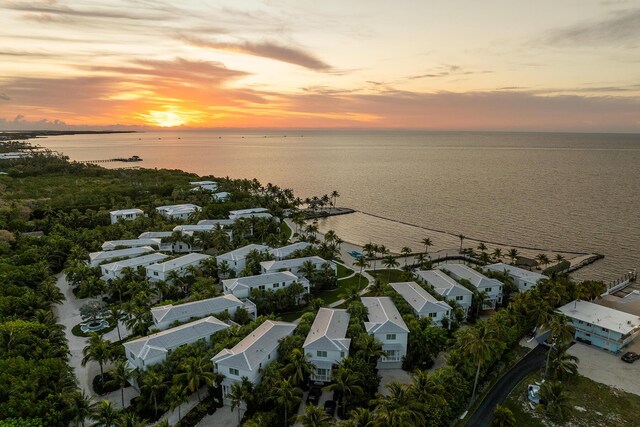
(325, 212)
(624, 285)
(117, 159)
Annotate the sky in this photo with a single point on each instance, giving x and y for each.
(562, 65)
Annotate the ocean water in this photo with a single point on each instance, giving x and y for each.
(561, 192)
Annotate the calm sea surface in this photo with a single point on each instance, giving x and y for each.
(570, 192)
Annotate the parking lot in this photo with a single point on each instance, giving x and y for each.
(607, 368)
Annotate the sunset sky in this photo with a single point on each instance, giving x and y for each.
(544, 65)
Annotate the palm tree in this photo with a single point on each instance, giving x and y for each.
(426, 242)
(406, 251)
(334, 196)
(104, 414)
(362, 263)
(481, 298)
(285, 394)
(360, 417)
(236, 395)
(98, 350)
(482, 247)
(479, 344)
(314, 417)
(377, 288)
(425, 389)
(562, 364)
(559, 258)
(347, 382)
(177, 396)
(196, 371)
(153, 384)
(513, 255)
(398, 409)
(114, 315)
(120, 375)
(81, 404)
(543, 259)
(129, 419)
(556, 400)
(352, 293)
(503, 417)
(560, 329)
(298, 366)
(391, 263)
(369, 348)
(461, 237)
(497, 253)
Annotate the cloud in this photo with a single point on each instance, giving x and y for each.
(52, 11)
(4, 96)
(446, 71)
(620, 29)
(265, 49)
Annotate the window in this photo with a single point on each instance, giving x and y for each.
(459, 298)
(432, 314)
(261, 287)
(391, 337)
(321, 353)
(234, 371)
(155, 273)
(488, 290)
(342, 354)
(321, 372)
(276, 285)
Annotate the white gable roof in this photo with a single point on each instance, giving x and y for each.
(171, 313)
(119, 253)
(285, 251)
(383, 316)
(176, 263)
(136, 262)
(258, 280)
(161, 342)
(514, 271)
(223, 222)
(155, 235)
(247, 211)
(241, 253)
(130, 243)
(441, 283)
(329, 330)
(121, 212)
(478, 280)
(249, 353)
(291, 263)
(186, 208)
(418, 298)
(605, 317)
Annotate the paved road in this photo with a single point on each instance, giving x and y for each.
(530, 363)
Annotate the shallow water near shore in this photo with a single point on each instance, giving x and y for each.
(570, 192)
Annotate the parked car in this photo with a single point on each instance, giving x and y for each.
(314, 395)
(330, 407)
(630, 357)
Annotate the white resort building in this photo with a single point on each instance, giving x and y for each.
(446, 287)
(522, 278)
(493, 287)
(285, 251)
(97, 258)
(241, 287)
(294, 265)
(326, 344)
(221, 222)
(130, 243)
(182, 211)
(236, 259)
(164, 316)
(152, 349)
(248, 213)
(125, 215)
(422, 302)
(204, 185)
(601, 326)
(387, 326)
(114, 270)
(246, 359)
(162, 271)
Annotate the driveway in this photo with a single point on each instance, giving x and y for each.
(531, 362)
(606, 368)
(223, 417)
(388, 376)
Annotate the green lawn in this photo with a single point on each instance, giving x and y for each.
(286, 229)
(603, 405)
(395, 276)
(290, 317)
(333, 295)
(343, 271)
